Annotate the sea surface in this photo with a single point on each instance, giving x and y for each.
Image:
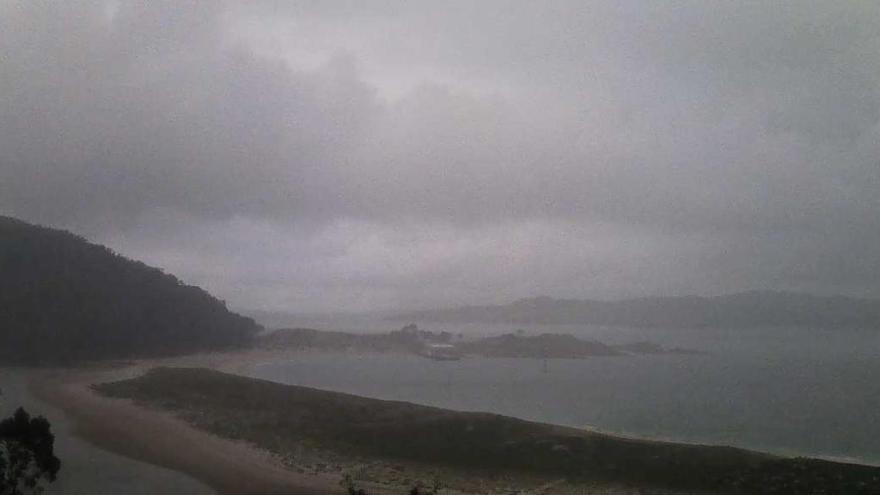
(793, 391)
(86, 469)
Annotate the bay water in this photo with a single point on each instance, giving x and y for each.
(792, 391)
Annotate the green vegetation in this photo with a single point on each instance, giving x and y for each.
(27, 458)
(408, 339)
(546, 345)
(291, 421)
(351, 487)
(411, 339)
(63, 299)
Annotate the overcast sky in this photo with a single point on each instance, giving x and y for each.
(320, 155)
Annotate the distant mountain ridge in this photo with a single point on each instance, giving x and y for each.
(65, 299)
(745, 309)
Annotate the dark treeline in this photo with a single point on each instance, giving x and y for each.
(538, 346)
(409, 338)
(412, 339)
(27, 454)
(64, 299)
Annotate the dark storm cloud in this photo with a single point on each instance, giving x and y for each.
(325, 154)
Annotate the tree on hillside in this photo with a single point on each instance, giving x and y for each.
(27, 457)
(64, 299)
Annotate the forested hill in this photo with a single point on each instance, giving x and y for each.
(64, 299)
(746, 309)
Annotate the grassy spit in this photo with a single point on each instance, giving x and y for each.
(398, 443)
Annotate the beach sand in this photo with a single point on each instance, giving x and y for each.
(158, 438)
(155, 436)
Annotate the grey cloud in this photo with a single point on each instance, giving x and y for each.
(444, 152)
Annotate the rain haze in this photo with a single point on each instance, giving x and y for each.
(327, 156)
(327, 247)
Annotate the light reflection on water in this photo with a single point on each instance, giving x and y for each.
(785, 390)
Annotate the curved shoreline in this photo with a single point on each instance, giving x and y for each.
(394, 442)
(148, 435)
(159, 438)
(241, 367)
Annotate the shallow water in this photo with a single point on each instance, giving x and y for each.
(790, 391)
(86, 469)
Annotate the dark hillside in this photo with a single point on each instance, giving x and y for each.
(539, 346)
(64, 299)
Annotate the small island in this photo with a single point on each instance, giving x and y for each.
(446, 346)
(146, 374)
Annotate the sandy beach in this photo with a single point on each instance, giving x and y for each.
(153, 411)
(156, 437)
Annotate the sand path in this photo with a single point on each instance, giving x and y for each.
(159, 438)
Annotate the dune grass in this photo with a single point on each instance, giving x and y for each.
(290, 420)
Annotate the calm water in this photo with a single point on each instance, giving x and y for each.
(88, 470)
(792, 391)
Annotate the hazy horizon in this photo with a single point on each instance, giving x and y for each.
(347, 156)
(402, 311)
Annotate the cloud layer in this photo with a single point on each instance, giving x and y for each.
(349, 155)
